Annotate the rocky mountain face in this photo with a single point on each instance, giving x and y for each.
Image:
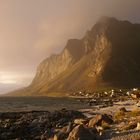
(107, 56)
(56, 64)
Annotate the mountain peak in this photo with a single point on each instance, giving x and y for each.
(105, 19)
(107, 56)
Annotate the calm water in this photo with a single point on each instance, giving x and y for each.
(12, 104)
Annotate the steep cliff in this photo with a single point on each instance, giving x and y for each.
(108, 55)
(56, 64)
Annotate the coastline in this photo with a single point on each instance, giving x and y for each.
(43, 124)
(103, 115)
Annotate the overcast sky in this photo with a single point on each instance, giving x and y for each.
(31, 30)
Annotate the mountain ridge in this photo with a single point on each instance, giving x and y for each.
(108, 55)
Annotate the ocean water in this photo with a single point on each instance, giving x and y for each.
(17, 104)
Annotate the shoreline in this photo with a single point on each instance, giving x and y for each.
(39, 123)
(68, 118)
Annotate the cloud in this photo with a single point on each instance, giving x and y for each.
(31, 30)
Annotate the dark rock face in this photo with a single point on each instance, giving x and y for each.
(123, 65)
(108, 55)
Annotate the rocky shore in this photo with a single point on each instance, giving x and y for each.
(111, 115)
(69, 125)
(35, 124)
(106, 98)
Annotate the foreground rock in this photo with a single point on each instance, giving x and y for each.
(35, 125)
(68, 125)
(80, 132)
(98, 119)
(58, 125)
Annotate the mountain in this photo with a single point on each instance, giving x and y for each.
(107, 56)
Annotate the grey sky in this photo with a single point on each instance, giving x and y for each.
(31, 30)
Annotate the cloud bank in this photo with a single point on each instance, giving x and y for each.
(31, 30)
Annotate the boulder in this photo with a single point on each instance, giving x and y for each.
(107, 118)
(99, 130)
(46, 135)
(123, 109)
(60, 136)
(97, 120)
(80, 132)
(68, 128)
(80, 121)
(138, 126)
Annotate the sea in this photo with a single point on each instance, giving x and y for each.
(19, 104)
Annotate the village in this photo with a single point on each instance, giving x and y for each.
(107, 98)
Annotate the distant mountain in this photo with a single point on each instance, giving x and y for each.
(107, 56)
